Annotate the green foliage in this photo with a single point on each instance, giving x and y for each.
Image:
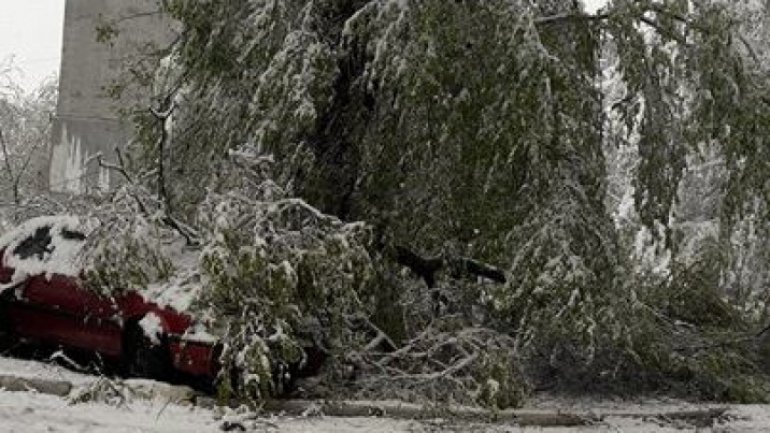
(271, 275)
(503, 386)
(128, 247)
(281, 277)
(461, 154)
(701, 350)
(461, 129)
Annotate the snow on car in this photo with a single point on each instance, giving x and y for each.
(43, 299)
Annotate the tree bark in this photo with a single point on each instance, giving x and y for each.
(426, 268)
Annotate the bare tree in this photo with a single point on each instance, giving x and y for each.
(25, 127)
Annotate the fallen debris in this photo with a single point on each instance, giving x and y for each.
(523, 417)
(410, 411)
(58, 388)
(696, 418)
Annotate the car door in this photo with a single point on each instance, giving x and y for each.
(55, 308)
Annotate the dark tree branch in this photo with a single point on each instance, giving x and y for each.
(551, 19)
(475, 267)
(426, 268)
(190, 235)
(120, 167)
(162, 115)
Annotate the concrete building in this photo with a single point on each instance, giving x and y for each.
(88, 121)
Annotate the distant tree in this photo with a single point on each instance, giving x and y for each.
(25, 128)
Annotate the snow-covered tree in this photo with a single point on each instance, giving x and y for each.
(469, 137)
(25, 127)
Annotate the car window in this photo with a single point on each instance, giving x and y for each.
(36, 245)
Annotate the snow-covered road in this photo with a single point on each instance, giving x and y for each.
(34, 412)
(31, 412)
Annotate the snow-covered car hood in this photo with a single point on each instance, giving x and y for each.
(44, 246)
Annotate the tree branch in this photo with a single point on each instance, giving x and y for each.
(551, 19)
(426, 268)
(190, 234)
(475, 267)
(120, 167)
(162, 115)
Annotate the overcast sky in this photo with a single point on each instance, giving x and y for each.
(31, 33)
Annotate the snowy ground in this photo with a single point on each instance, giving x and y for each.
(34, 412)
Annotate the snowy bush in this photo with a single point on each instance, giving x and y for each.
(281, 277)
(131, 248)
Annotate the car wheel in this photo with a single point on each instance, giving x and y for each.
(145, 359)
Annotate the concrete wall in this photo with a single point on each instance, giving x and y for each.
(88, 121)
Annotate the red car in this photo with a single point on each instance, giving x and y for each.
(44, 301)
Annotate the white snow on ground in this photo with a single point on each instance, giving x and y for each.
(40, 370)
(33, 412)
(30, 412)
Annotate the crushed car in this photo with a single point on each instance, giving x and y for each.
(44, 300)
